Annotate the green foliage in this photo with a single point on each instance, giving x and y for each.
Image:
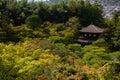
(47, 48)
(33, 21)
(60, 14)
(101, 43)
(70, 31)
(109, 71)
(25, 62)
(46, 44)
(75, 50)
(93, 55)
(54, 12)
(61, 50)
(113, 36)
(115, 56)
(43, 59)
(56, 39)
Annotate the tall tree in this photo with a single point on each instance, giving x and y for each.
(114, 35)
(33, 21)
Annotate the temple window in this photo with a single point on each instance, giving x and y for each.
(90, 35)
(94, 35)
(85, 34)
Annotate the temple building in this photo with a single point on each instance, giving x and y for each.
(89, 34)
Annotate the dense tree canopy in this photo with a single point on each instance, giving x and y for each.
(18, 11)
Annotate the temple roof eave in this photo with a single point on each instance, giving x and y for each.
(91, 32)
(85, 41)
(91, 29)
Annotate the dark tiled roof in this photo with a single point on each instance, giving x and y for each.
(92, 29)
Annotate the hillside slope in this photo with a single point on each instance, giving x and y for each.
(109, 6)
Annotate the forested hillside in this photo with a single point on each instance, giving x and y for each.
(38, 41)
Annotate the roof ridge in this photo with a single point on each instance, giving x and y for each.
(96, 28)
(92, 29)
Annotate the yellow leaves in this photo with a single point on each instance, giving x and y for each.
(61, 76)
(73, 21)
(68, 33)
(47, 51)
(25, 68)
(26, 57)
(56, 29)
(53, 32)
(50, 57)
(21, 28)
(31, 64)
(39, 33)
